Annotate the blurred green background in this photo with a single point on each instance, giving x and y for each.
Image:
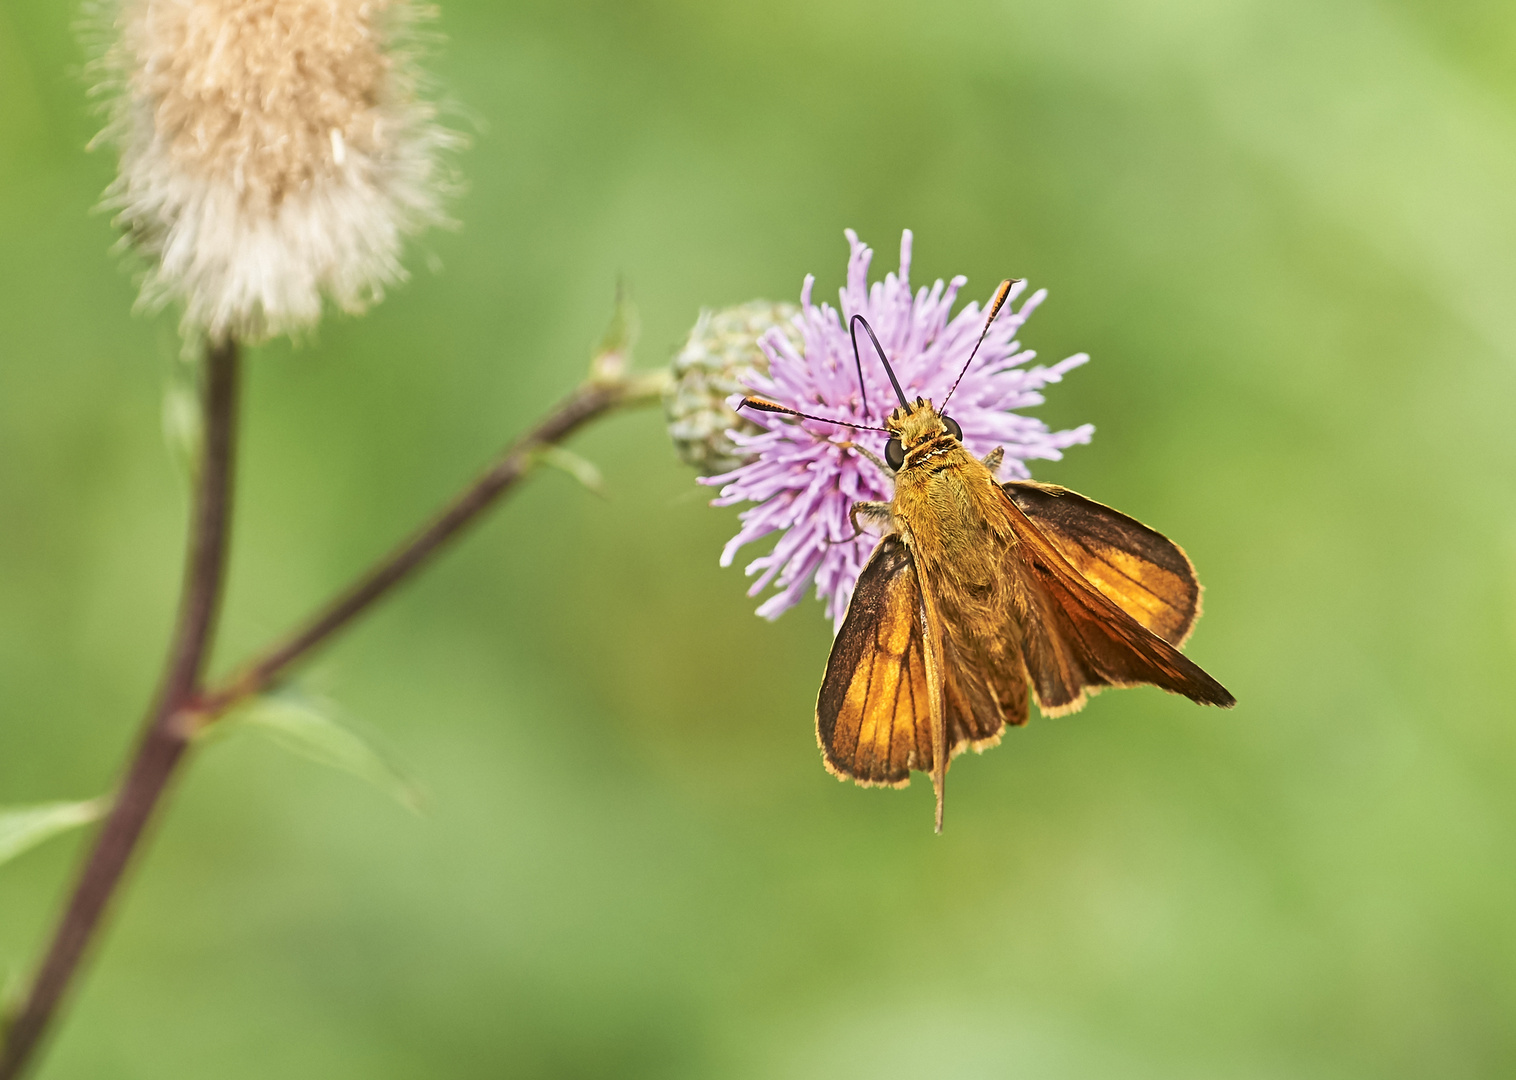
(1285, 231)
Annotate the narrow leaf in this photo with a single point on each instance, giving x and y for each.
(313, 728)
(12, 998)
(182, 424)
(24, 827)
(579, 468)
(621, 335)
(615, 349)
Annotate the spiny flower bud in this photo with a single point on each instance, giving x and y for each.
(721, 349)
(272, 152)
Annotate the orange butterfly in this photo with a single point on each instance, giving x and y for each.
(981, 594)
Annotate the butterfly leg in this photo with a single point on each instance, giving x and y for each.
(993, 459)
(877, 512)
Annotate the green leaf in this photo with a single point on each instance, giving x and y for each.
(579, 468)
(182, 425)
(621, 335)
(314, 729)
(12, 998)
(615, 349)
(24, 827)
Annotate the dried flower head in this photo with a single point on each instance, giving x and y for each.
(721, 349)
(272, 152)
(805, 475)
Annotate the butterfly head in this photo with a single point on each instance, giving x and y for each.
(916, 424)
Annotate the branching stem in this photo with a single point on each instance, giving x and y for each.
(185, 705)
(165, 733)
(593, 399)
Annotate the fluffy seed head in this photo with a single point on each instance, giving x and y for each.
(272, 152)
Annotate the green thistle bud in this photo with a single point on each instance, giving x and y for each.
(722, 346)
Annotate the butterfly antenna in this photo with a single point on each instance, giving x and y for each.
(1001, 295)
(853, 329)
(764, 405)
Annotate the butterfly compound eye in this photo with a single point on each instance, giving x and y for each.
(894, 454)
(952, 428)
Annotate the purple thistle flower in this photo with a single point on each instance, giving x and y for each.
(803, 474)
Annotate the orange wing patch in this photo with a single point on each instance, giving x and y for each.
(873, 717)
(1142, 571)
(1078, 640)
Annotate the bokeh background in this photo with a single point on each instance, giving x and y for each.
(1286, 232)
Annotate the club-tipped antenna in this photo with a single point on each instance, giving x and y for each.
(765, 405)
(853, 330)
(1001, 295)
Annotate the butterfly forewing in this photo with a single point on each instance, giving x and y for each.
(1077, 640)
(873, 714)
(1145, 573)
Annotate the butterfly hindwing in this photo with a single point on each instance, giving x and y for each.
(982, 697)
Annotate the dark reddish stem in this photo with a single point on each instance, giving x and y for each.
(594, 399)
(184, 705)
(165, 733)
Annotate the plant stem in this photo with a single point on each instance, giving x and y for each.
(591, 400)
(165, 734)
(184, 706)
